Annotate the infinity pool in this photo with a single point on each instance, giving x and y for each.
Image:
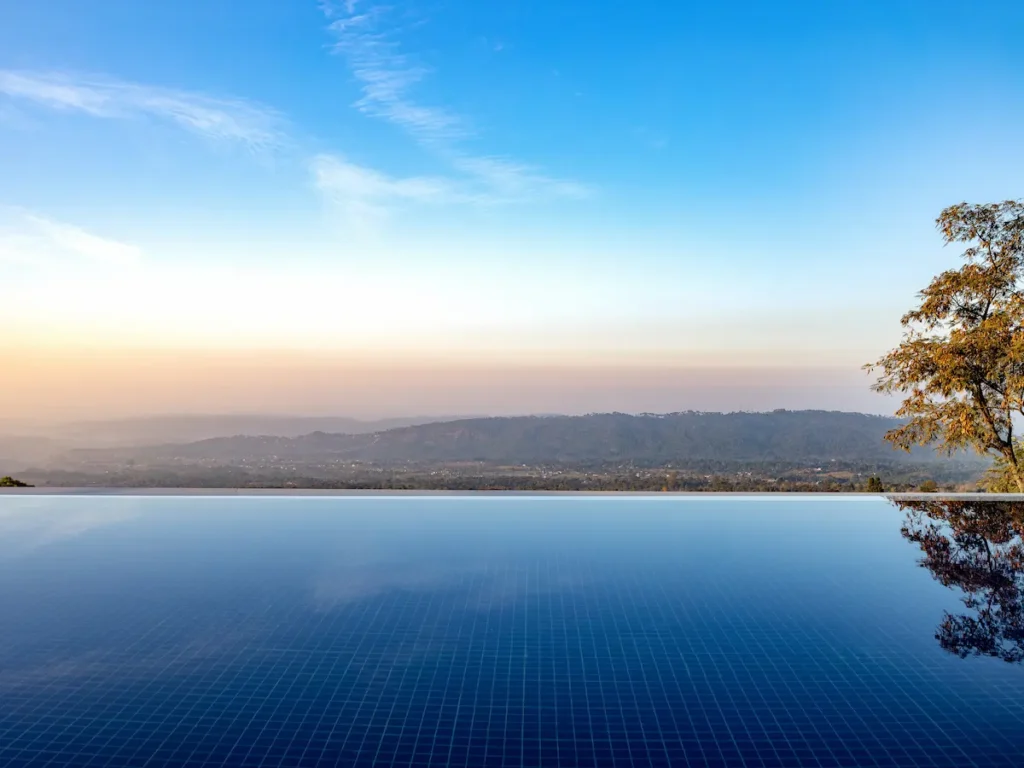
(509, 631)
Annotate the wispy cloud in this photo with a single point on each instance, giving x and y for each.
(366, 196)
(234, 120)
(29, 239)
(385, 74)
(387, 77)
(510, 180)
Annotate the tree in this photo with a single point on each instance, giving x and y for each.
(977, 549)
(10, 482)
(961, 361)
(875, 485)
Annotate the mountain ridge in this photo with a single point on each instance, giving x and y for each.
(780, 435)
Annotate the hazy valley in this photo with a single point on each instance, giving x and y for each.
(790, 450)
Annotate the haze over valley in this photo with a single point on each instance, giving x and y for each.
(598, 451)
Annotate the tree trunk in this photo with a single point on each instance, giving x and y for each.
(1017, 477)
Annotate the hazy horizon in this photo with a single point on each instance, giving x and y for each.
(48, 389)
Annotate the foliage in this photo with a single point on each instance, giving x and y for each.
(10, 482)
(977, 548)
(704, 476)
(1000, 478)
(961, 361)
(929, 486)
(875, 485)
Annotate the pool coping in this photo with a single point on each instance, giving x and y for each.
(342, 492)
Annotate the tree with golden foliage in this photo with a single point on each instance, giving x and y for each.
(961, 362)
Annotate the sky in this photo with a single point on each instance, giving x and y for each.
(374, 209)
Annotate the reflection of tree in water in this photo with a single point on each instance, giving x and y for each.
(977, 546)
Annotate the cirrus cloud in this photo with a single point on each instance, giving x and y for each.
(29, 239)
(222, 119)
(387, 77)
(366, 196)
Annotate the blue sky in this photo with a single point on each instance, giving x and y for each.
(645, 184)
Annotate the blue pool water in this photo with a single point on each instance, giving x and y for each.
(506, 631)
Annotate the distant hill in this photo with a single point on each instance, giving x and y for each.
(185, 428)
(18, 453)
(785, 436)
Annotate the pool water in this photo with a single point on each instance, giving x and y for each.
(508, 631)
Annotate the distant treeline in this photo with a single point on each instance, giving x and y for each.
(872, 478)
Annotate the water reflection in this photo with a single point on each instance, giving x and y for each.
(28, 523)
(977, 547)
